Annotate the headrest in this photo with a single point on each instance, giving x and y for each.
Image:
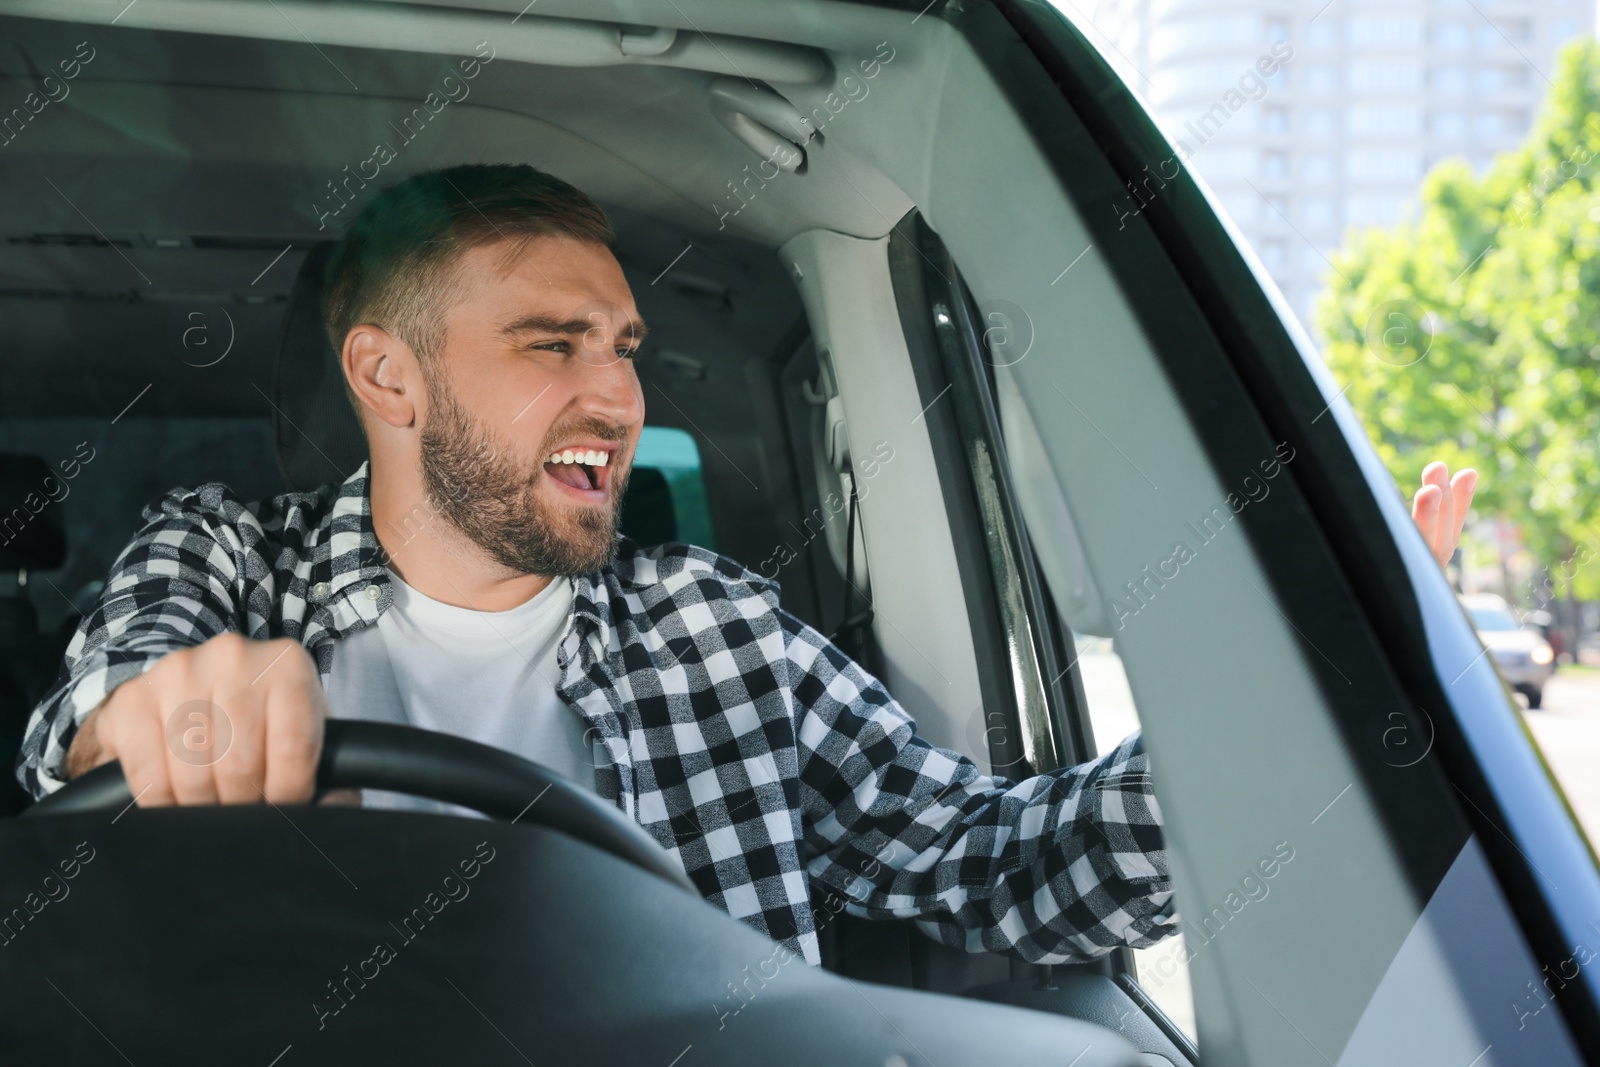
(33, 534)
(318, 438)
(648, 513)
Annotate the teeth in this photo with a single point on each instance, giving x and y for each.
(587, 457)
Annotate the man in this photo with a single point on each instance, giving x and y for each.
(469, 579)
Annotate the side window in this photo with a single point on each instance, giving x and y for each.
(666, 497)
(1162, 971)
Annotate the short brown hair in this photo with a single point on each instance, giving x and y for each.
(394, 266)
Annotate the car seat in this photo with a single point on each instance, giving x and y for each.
(32, 538)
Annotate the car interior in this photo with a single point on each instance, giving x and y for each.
(894, 362)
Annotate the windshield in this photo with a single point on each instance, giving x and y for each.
(1492, 619)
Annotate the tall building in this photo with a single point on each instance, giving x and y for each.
(1363, 99)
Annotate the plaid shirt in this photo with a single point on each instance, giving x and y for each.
(745, 743)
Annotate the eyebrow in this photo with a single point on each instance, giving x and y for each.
(540, 323)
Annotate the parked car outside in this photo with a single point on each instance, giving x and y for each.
(1522, 654)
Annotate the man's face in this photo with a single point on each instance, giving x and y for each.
(534, 408)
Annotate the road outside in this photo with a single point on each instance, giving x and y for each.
(1567, 730)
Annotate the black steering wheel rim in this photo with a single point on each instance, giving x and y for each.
(435, 766)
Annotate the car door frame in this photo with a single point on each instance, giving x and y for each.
(1422, 631)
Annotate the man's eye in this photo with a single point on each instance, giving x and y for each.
(622, 351)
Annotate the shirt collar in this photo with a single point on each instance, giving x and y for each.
(350, 559)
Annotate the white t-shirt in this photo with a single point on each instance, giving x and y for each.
(485, 675)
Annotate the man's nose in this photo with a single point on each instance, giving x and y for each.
(611, 387)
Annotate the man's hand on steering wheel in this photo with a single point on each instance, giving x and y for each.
(1440, 508)
(229, 721)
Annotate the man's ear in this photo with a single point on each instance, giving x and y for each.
(382, 371)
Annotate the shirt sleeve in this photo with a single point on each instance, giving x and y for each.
(1059, 868)
(174, 586)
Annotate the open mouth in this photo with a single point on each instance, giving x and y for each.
(587, 471)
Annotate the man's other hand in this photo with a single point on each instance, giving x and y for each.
(1440, 508)
(229, 721)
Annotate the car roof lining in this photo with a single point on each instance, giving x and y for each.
(649, 138)
(432, 28)
(245, 139)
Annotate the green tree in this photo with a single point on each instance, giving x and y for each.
(1471, 333)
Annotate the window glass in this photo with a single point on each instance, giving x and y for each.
(1384, 165)
(1385, 76)
(1488, 79)
(1495, 36)
(1322, 35)
(1138, 471)
(1319, 167)
(667, 494)
(1319, 211)
(1243, 206)
(1321, 122)
(1489, 124)
(1305, 302)
(1225, 163)
(1385, 30)
(1203, 79)
(1322, 78)
(1450, 79)
(1162, 970)
(1176, 35)
(1312, 259)
(1449, 124)
(1246, 121)
(1375, 209)
(1385, 119)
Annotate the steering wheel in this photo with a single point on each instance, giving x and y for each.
(435, 766)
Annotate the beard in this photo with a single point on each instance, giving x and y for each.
(482, 490)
